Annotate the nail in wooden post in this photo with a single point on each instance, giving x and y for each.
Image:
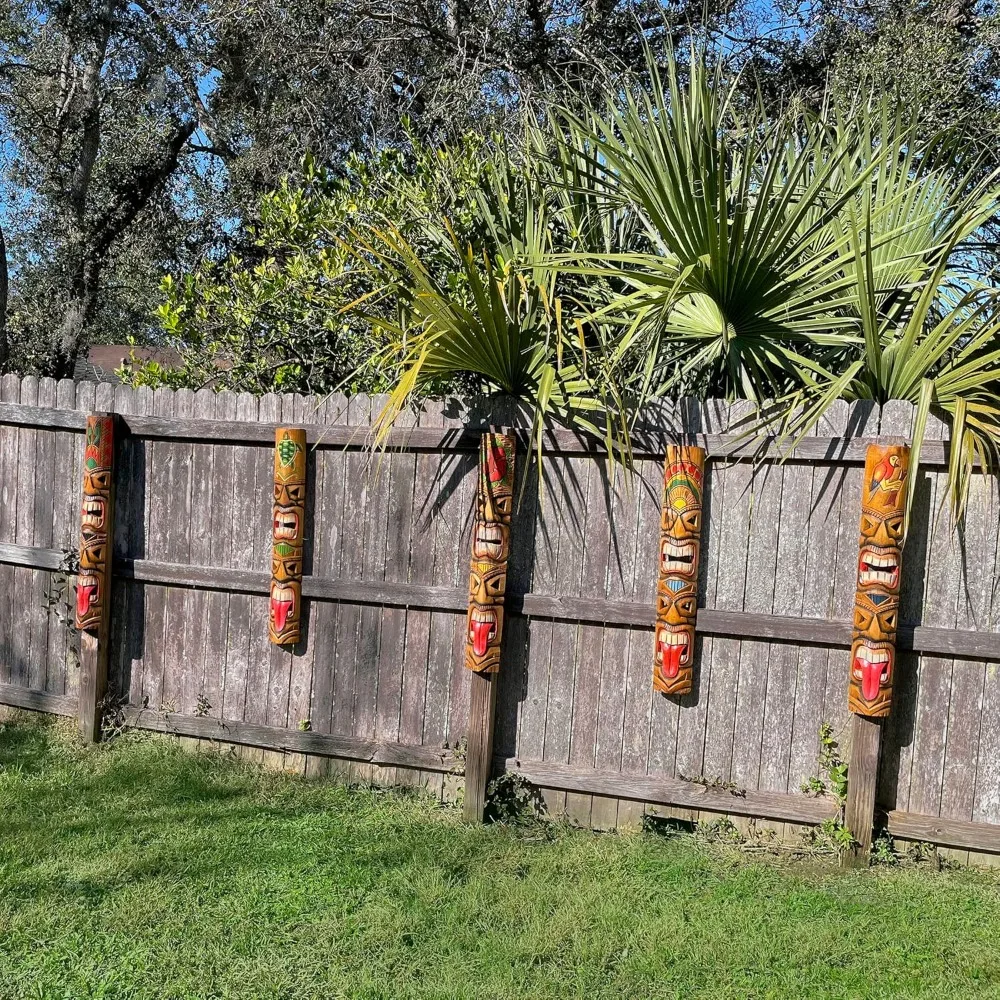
(485, 617)
(93, 584)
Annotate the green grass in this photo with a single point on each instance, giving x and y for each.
(139, 870)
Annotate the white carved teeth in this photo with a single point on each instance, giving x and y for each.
(285, 526)
(878, 567)
(92, 513)
(677, 557)
(282, 594)
(489, 540)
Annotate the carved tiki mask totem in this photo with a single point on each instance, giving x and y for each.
(490, 550)
(285, 615)
(876, 602)
(677, 586)
(92, 597)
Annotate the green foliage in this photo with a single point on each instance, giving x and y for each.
(284, 317)
(884, 852)
(832, 771)
(799, 257)
(512, 800)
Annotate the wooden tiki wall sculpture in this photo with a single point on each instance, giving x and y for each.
(92, 597)
(285, 615)
(677, 586)
(876, 602)
(490, 550)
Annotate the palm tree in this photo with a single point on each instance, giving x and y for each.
(802, 258)
(497, 313)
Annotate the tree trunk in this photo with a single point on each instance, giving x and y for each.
(76, 315)
(4, 286)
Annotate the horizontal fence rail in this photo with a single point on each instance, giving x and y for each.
(727, 624)
(647, 444)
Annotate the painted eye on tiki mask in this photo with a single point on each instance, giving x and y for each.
(688, 605)
(692, 520)
(894, 526)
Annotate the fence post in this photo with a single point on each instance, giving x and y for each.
(479, 747)
(93, 586)
(862, 779)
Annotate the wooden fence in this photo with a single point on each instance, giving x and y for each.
(377, 687)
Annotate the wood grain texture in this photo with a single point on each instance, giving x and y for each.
(673, 791)
(291, 740)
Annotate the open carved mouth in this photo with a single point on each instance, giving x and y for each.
(92, 514)
(677, 558)
(286, 525)
(482, 629)
(488, 543)
(871, 669)
(673, 650)
(86, 594)
(878, 566)
(282, 602)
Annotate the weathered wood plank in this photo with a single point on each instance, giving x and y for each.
(789, 595)
(399, 470)
(20, 658)
(733, 541)
(862, 770)
(217, 538)
(65, 529)
(947, 832)
(10, 392)
(243, 513)
(373, 569)
(43, 499)
(620, 575)
(673, 791)
(596, 543)
(639, 693)
(17, 696)
(292, 740)
(940, 603)
(818, 584)
(570, 480)
(323, 616)
(421, 575)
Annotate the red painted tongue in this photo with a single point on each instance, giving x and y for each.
(871, 674)
(83, 598)
(281, 610)
(481, 636)
(671, 659)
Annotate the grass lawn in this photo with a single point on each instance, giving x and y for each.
(140, 870)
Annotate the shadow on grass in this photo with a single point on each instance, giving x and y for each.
(27, 747)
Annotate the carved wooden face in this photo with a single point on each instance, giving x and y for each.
(287, 546)
(490, 551)
(95, 517)
(677, 587)
(876, 602)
